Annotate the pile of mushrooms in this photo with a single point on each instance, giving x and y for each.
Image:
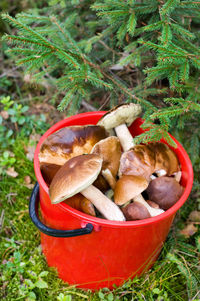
(105, 175)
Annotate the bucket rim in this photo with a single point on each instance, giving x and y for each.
(75, 120)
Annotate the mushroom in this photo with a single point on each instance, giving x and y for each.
(166, 161)
(138, 161)
(109, 149)
(119, 118)
(147, 159)
(79, 202)
(69, 142)
(48, 171)
(152, 204)
(135, 211)
(165, 191)
(131, 187)
(77, 175)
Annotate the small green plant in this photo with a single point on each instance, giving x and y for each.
(14, 120)
(15, 116)
(7, 159)
(5, 83)
(33, 282)
(19, 267)
(106, 296)
(7, 103)
(62, 297)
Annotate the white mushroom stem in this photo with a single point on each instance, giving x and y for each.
(152, 211)
(161, 172)
(177, 175)
(124, 136)
(152, 177)
(107, 208)
(106, 173)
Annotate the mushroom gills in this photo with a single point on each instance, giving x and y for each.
(119, 118)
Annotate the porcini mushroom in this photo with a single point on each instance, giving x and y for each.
(109, 149)
(130, 188)
(138, 161)
(119, 118)
(78, 201)
(77, 175)
(166, 161)
(69, 142)
(48, 171)
(165, 191)
(151, 158)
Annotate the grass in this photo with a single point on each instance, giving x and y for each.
(26, 276)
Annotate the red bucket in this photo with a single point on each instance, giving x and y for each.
(90, 252)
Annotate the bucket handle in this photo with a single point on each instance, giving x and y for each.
(33, 212)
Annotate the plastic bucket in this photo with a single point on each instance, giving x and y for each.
(90, 252)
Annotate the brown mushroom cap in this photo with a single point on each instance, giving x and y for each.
(128, 187)
(124, 113)
(74, 176)
(101, 183)
(147, 155)
(165, 158)
(79, 202)
(164, 191)
(69, 142)
(174, 166)
(137, 163)
(109, 149)
(135, 211)
(48, 171)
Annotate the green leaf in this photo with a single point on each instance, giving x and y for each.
(43, 274)
(110, 297)
(6, 155)
(9, 133)
(11, 111)
(29, 283)
(62, 297)
(21, 120)
(24, 109)
(101, 295)
(156, 291)
(41, 284)
(32, 296)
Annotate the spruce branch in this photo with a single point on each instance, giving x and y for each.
(132, 22)
(155, 43)
(168, 6)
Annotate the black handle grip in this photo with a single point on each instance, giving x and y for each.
(33, 212)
